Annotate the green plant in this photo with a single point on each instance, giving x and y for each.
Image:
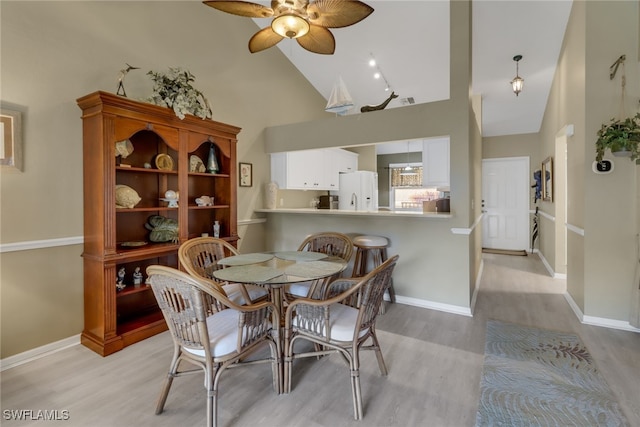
(174, 90)
(619, 135)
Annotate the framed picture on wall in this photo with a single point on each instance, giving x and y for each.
(11, 139)
(547, 179)
(246, 174)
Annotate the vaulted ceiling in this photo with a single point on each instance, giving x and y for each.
(410, 43)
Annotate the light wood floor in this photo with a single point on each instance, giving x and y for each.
(434, 360)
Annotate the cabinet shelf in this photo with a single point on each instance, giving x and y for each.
(196, 207)
(115, 319)
(131, 289)
(145, 209)
(209, 175)
(127, 326)
(145, 170)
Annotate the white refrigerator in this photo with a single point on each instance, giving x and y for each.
(358, 191)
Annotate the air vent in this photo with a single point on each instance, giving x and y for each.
(407, 101)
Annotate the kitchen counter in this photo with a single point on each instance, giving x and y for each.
(379, 213)
(435, 261)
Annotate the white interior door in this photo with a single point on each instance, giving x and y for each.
(505, 203)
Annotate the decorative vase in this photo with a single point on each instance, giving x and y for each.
(212, 161)
(216, 229)
(271, 195)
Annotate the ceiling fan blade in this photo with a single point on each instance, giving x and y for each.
(337, 13)
(264, 39)
(318, 40)
(241, 8)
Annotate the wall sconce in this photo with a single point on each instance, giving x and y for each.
(518, 82)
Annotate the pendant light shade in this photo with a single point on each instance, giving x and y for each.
(518, 82)
(290, 25)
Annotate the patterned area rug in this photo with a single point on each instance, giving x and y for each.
(536, 377)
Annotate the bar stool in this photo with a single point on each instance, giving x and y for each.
(376, 246)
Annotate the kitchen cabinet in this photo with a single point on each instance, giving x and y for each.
(435, 163)
(148, 151)
(311, 169)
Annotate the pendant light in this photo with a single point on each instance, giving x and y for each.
(518, 82)
(408, 170)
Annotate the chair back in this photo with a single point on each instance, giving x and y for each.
(199, 256)
(371, 293)
(183, 306)
(330, 243)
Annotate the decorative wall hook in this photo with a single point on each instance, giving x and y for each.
(614, 68)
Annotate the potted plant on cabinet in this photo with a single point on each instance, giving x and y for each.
(622, 137)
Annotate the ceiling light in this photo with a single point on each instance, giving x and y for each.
(408, 169)
(290, 25)
(518, 82)
(378, 72)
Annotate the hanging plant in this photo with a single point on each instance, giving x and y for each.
(622, 137)
(174, 90)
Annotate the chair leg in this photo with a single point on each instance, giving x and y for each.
(355, 385)
(376, 347)
(392, 291)
(360, 263)
(213, 374)
(212, 408)
(276, 367)
(288, 361)
(173, 369)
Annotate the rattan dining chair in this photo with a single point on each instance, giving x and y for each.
(199, 257)
(342, 323)
(330, 243)
(210, 339)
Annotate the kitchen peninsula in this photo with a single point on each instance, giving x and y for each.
(378, 213)
(431, 272)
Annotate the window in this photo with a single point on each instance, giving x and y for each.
(407, 192)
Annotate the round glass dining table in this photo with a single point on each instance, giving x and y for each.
(274, 270)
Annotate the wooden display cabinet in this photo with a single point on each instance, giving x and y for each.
(116, 238)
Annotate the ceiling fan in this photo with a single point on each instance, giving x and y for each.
(306, 21)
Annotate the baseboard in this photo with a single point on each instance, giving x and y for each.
(447, 308)
(548, 267)
(476, 289)
(39, 352)
(609, 323)
(598, 321)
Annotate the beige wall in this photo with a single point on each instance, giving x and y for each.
(609, 215)
(521, 145)
(86, 47)
(55, 52)
(601, 263)
(453, 117)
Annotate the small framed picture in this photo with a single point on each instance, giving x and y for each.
(246, 175)
(11, 139)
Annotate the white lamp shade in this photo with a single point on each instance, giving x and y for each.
(290, 25)
(517, 84)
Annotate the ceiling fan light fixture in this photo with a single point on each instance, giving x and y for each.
(290, 25)
(518, 82)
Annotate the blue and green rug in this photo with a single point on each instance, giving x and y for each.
(537, 377)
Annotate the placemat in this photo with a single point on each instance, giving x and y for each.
(300, 256)
(313, 269)
(245, 259)
(247, 274)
